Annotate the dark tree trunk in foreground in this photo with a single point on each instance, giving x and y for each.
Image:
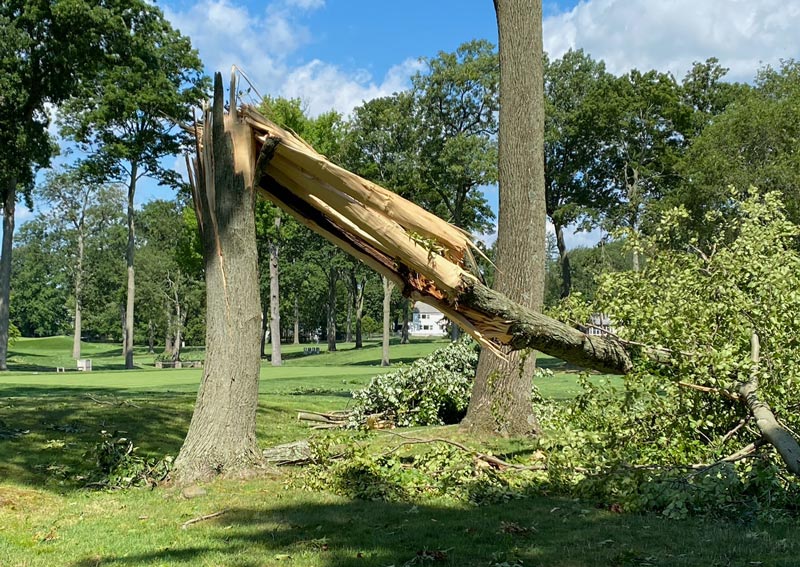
(406, 316)
(501, 395)
(9, 207)
(387, 320)
(222, 433)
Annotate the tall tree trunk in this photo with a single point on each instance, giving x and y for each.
(264, 327)
(406, 315)
(222, 433)
(360, 314)
(76, 338)
(563, 256)
(332, 277)
(169, 338)
(151, 337)
(179, 318)
(275, 299)
(348, 336)
(501, 396)
(296, 321)
(9, 209)
(388, 286)
(129, 254)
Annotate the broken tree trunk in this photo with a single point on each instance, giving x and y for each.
(427, 258)
(222, 434)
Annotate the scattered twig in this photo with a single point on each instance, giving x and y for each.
(199, 519)
(732, 432)
(113, 403)
(488, 459)
(711, 390)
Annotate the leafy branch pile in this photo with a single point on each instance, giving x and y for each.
(433, 390)
(117, 465)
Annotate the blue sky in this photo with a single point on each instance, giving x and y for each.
(337, 53)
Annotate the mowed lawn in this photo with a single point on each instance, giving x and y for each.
(49, 423)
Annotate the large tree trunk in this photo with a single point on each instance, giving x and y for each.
(388, 286)
(563, 257)
(332, 277)
(501, 396)
(76, 338)
(9, 209)
(131, 285)
(222, 433)
(275, 299)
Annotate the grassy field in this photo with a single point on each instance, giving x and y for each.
(49, 422)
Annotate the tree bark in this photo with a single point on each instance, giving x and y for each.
(331, 331)
(406, 316)
(222, 434)
(388, 286)
(131, 284)
(296, 321)
(777, 435)
(9, 210)
(275, 299)
(501, 396)
(563, 257)
(76, 338)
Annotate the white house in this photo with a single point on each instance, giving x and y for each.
(427, 321)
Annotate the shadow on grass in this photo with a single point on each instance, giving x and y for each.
(46, 441)
(539, 531)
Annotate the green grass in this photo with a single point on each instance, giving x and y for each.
(49, 421)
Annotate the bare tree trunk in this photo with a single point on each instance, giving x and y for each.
(406, 315)
(348, 336)
(296, 321)
(388, 286)
(9, 209)
(179, 316)
(360, 313)
(501, 396)
(129, 254)
(222, 434)
(76, 338)
(563, 256)
(636, 266)
(169, 338)
(332, 277)
(275, 299)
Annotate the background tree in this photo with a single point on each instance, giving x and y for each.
(645, 128)
(124, 120)
(501, 395)
(574, 192)
(752, 142)
(79, 209)
(47, 48)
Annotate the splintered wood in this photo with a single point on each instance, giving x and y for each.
(429, 259)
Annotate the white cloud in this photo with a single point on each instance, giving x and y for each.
(306, 4)
(226, 33)
(323, 86)
(669, 35)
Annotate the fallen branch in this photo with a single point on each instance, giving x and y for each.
(114, 403)
(773, 432)
(199, 519)
(710, 390)
(490, 460)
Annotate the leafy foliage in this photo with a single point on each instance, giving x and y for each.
(431, 391)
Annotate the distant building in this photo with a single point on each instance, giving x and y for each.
(599, 324)
(427, 321)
